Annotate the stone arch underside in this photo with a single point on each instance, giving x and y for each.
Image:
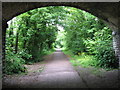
(107, 11)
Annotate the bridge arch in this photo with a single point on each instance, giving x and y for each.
(107, 11)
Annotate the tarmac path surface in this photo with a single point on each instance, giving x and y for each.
(57, 73)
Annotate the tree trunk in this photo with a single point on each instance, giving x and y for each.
(25, 41)
(24, 45)
(16, 45)
(11, 32)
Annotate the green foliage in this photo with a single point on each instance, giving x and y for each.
(106, 58)
(30, 36)
(82, 59)
(24, 54)
(86, 33)
(35, 33)
(14, 64)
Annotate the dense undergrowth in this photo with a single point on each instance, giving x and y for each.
(36, 33)
(15, 62)
(86, 61)
(87, 34)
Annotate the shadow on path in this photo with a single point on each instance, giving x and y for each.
(58, 73)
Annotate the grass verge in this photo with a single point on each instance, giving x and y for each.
(85, 61)
(49, 52)
(82, 60)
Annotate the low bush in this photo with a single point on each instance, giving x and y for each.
(106, 58)
(13, 64)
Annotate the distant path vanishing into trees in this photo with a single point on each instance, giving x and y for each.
(57, 73)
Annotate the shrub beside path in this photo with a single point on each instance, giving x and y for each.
(57, 72)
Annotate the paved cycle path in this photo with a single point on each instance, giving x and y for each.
(57, 73)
